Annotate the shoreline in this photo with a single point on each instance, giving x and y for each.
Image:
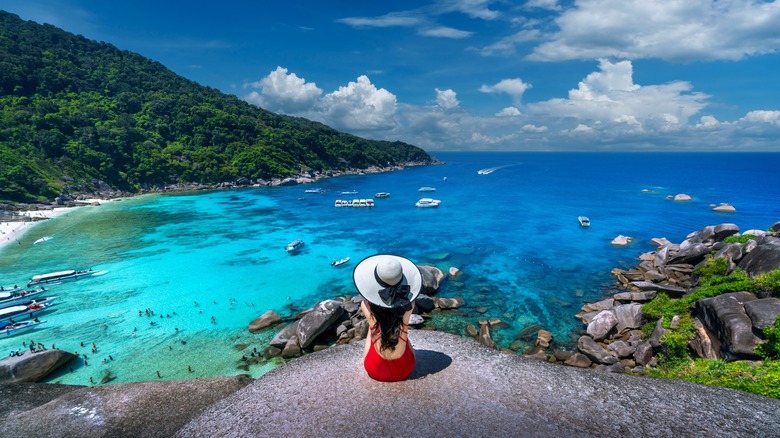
(12, 231)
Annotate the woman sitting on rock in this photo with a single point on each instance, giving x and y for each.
(389, 285)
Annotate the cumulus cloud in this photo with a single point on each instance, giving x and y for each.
(610, 96)
(359, 106)
(283, 92)
(512, 87)
(509, 111)
(446, 99)
(767, 117)
(674, 31)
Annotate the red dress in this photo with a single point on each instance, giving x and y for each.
(388, 370)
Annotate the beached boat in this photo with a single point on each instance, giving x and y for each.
(62, 276)
(339, 262)
(13, 314)
(294, 246)
(382, 195)
(426, 189)
(8, 299)
(427, 203)
(18, 327)
(584, 221)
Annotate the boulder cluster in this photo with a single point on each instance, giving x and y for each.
(728, 326)
(340, 321)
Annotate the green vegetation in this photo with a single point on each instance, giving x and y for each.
(74, 112)
(771, 349)
(741, 238)
(675, 360)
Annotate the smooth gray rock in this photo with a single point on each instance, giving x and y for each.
(478, 392)
(431, 279)
(762, 312)
(725, 316)
(629, 316)
(643, 354)
(692, 254)
(701, 343)
(284, 335)
(661, 256)
(578, 360)
(764, 258)
(267, 319)
(594, 351)
(424, 303)
(142, 409)
(314, 323)
(449, 303)
(32, 367)
(672, 291)
(599, 306)
(635, 296)
(602, 324)
(658, 332)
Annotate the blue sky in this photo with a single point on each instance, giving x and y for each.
(537, 75)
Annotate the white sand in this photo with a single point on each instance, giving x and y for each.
(11, 232)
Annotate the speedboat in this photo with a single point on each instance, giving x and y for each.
(426, 189)
(349, 192)
(22, 312)
(62, 276)
(8, 299)
(427, 203)
(18, 327)
(294, 246)
(314, 190)
(43, 239)
(382, 195)
(340, 262)
(584, 221)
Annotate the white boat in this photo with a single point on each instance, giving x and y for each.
(62, 276)
(354, 203)
(349, 192)
(8, 299)
(427, 203)
(339, 262)
(43, 239)
(294, 246)
(426, 189)
(9, 315)
(314, 190)
(584, 221)
(382, 195)
(18, 327)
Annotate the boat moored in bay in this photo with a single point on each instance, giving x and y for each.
(62, 276)
(427, 203)
(19, 327)
(584, 221)
(8, 299)
(294, 246)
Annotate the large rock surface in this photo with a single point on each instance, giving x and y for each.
(143, 409)
(32, 367)
(458, 388)
(725, 316)
(764, 258)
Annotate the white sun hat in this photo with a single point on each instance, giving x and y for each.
(387, 280)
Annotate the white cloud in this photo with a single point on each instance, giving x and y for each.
(507, 45)
(543, 4)
(512, 87)
(395, 19)
(707, 122)
(359, 106)
(445, 32)
(283, 92)
(671, 30)
(610, 96)
(534, 128)
(446, 99)
(761, 116)
(472, 8)
(509, 111)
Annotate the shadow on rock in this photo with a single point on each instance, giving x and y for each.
(429, 362)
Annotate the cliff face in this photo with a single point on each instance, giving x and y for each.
(459, 388)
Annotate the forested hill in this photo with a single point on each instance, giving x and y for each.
(75, 112)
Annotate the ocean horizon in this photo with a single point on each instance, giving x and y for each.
(188, 271)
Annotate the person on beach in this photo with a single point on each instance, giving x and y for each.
(389, 284)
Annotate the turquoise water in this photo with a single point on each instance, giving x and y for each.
(513, 232)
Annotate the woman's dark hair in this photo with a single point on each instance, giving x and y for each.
(389, 321)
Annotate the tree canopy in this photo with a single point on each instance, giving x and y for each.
(76, 112)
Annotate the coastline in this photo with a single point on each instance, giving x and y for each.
(12, 231)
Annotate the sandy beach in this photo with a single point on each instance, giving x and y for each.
(12, 231)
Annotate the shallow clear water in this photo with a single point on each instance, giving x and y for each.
(513, 232)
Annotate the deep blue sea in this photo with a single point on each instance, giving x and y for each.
(207, 263)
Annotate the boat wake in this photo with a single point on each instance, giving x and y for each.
(489, 170)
